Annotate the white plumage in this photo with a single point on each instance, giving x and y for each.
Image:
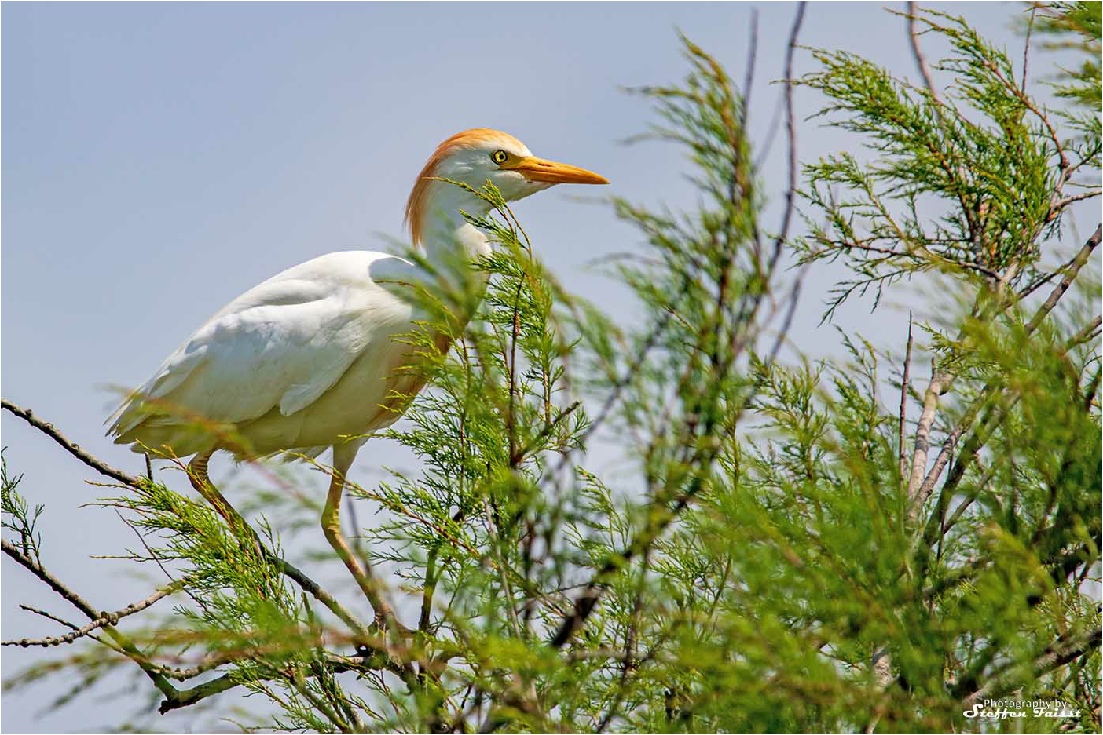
(316, 356)
(293, 363)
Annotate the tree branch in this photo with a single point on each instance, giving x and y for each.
(1055, 655)
(120, 640)
(905, 382)
(104, 619)
(288, 569)
(69, 446)
(333, 664)
(1071, 272)
(917, 54)
(791, 130)
(941, 380)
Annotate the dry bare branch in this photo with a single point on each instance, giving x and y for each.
(70, 446)
(106, 619)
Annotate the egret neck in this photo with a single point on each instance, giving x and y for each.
(452, 244)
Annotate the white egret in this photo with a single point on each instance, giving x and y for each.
(314, 357)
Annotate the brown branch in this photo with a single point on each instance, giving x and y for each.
(285, 567)
(791, 130)
(917, 54)
(752, 57)
(334, 664)
(52, 582)
(787, 320)
(71, 447)
(1043, 280)
(103, 620)
(1026, 45)
(120, 640)
(905, 382)
(1072, 199)
(1071, 271)
(1090, 331)
(1055, 655)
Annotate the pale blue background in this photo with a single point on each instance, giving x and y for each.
(158, 159)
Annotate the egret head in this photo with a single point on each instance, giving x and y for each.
(476, 156)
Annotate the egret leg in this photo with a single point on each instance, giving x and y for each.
(201, 481)
(331, 527)
(197, 473)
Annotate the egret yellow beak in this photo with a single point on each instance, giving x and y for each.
(551, 172)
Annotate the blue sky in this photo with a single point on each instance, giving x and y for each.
(159, 159)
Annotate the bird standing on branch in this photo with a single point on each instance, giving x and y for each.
(318, 356)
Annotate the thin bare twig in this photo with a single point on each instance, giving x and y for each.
(917, 54)
(104, 619)
(1071, 271)
(752, 56)
(121, 641)
(791, 129)
(1062, 203)
(71, 447)
(905, 383)
(1026, 45)
(917, 253)
(66, 624)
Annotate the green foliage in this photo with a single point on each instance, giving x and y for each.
(18, 517)
(805, 547)
(1077, 26)
(968, 181)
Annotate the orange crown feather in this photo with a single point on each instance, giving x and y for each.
(417, 204)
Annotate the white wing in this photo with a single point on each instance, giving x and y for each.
(282, 344)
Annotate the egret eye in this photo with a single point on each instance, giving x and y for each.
(499, 157)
